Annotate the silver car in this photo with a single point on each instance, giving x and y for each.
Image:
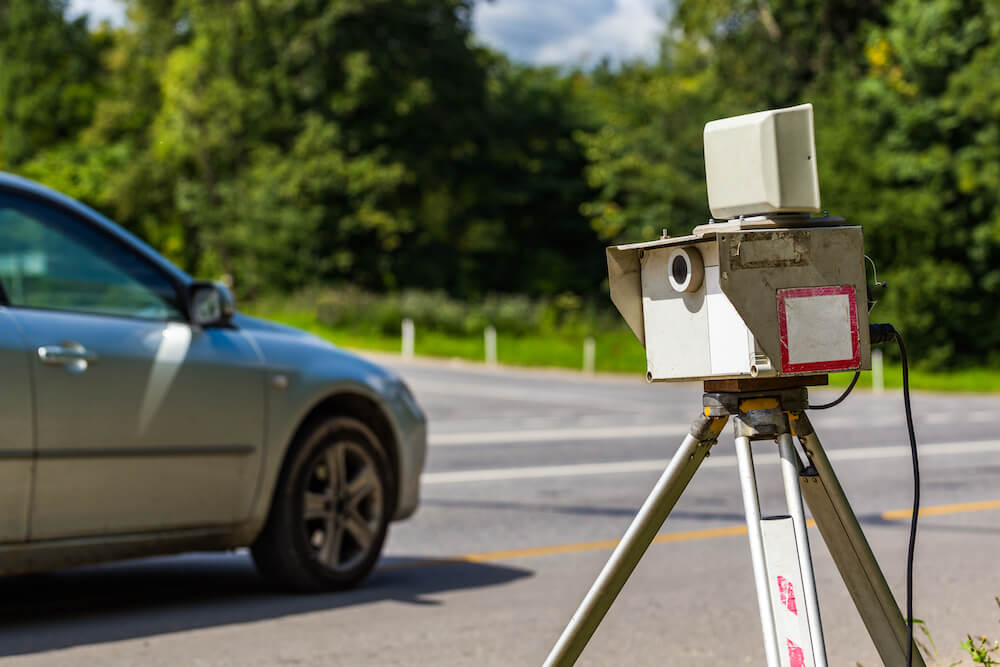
(140, 414)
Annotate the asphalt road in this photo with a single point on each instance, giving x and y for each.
(530, 479)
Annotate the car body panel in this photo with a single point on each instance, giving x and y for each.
(173, 439)
(16, 436)
(314, 371)
(129, 443)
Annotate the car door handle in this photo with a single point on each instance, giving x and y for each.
(67, 353)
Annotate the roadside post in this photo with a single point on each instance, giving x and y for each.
(409, 338)
(589, 354)
(490, 343)
(878, 379)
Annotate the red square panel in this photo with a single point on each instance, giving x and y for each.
(818, 329)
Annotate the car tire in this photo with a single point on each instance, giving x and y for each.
(330, 512)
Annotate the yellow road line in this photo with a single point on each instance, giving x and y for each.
(938, 510)
(686, 536)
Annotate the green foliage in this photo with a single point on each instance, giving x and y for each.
(47, 77)
(295, 142)
(981, 650)
(907, 124)
(905, 159)
(352, 308)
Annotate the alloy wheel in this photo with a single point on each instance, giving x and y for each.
(342, 505)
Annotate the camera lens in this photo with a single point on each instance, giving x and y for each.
(685, 269)
(679, 269)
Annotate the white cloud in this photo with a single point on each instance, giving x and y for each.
(99, 10)
(560, 32)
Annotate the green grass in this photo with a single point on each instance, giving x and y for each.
(968, 380)
(617, 351)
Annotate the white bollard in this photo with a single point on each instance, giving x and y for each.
(490, 340)
(409, 335)
(589, 354)
(878, 380)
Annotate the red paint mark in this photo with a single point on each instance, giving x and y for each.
(810, 367)
(787, 594)
(796, 657)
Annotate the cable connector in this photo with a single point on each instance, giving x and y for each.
(881, 333)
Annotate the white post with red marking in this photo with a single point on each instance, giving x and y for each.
(784, 581)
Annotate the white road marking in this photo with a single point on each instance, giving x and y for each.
(857, 421)
(458, 390)
(959, 416)
(617, 467)
(522, 436)
(654, 430)
(555, 433)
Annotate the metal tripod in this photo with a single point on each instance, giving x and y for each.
(779, 546)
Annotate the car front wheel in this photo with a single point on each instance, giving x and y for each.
(330, 512)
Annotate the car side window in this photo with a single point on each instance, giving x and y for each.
(49, 259)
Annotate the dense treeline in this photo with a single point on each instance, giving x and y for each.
(374, 142)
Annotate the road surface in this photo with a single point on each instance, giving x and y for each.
(531, 478)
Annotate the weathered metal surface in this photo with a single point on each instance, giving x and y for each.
(755, 264)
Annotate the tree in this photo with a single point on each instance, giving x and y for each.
(915, 159)
(48, 77)
(906, 125)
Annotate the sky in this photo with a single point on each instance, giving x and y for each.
(542, 32)
(570, 32)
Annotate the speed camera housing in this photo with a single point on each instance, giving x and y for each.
(772, 292)
(762, 163)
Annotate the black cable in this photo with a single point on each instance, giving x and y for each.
(842, 396)
(883, 333)
(916, 498)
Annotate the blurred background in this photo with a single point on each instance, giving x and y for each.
(347, 164)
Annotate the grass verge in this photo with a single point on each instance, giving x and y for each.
(982, 380)
(616, 351)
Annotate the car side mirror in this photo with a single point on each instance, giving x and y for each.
(211, 304)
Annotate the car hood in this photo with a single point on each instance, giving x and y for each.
(286, 347)
(255, 324)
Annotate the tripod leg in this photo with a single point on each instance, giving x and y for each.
(850, 550)
(637, 539)
(751, 505)
(793, 498)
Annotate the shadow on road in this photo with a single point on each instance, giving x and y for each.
(159, 595)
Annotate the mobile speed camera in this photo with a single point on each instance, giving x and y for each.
(761, 304)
